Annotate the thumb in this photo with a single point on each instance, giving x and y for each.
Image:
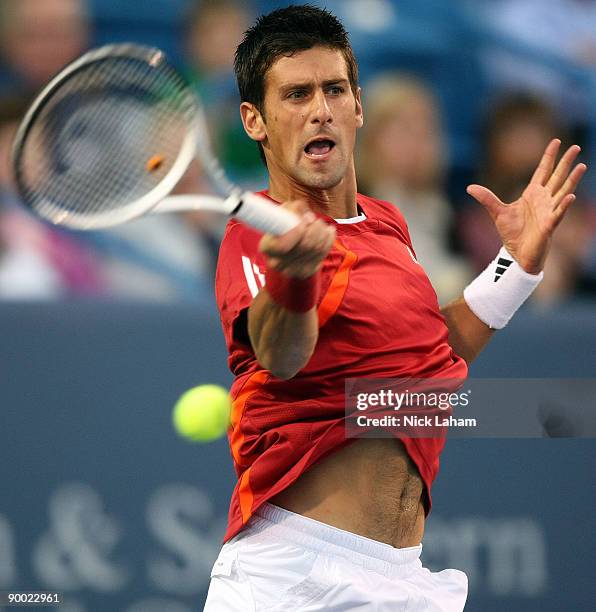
(485, 197)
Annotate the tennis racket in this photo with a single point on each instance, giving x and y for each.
(111, 135)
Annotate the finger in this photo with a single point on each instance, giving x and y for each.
(326, 242)
(485, 197)
(562, 170)
(312, 249)
(304, 250)
(292, 258)
(330, 239)
(560, 211)
(298, 266)
(570, 185)
(306, 215)
(305, 265)
(315, 236)
(547, 163)
(279, 245)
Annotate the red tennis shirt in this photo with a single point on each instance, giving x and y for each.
(378, 318)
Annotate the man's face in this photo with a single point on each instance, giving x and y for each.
(311, 116)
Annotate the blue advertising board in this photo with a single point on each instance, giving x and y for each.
(102, 502)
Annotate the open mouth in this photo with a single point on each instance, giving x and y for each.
(318, 148)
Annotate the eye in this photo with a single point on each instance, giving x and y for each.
(336, 90)
(298, 94)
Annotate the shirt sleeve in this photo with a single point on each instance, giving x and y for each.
(403, 225)
(393, 216)
(239, 277)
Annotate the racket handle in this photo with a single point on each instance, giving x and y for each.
(263, 215)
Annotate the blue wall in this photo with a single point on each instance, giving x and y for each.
(100, 500)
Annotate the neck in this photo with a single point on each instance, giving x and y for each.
(337, 202)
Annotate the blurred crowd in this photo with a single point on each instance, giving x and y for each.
(406, 151)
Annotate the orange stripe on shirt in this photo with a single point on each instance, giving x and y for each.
(245, 496)
(339, 284)
(252, 385)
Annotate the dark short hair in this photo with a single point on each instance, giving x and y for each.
(282, 33)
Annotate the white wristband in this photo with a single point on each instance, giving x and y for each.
(495, 295)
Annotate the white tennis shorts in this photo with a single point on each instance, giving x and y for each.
(285, 562)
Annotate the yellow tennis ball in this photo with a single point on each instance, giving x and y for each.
(202, 414)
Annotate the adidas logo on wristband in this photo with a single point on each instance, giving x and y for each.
(496, 305)
(502, 265)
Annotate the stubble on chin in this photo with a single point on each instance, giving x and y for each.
(322, 180)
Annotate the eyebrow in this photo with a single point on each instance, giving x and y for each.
(309, 84)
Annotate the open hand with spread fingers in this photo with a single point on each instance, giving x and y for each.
(527, 225)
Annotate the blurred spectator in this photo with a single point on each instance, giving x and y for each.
(517, 130)
(35, 261)
(38, 38)
(156, 258)
(564, 29)
(11, 110)
(402, 159)
(213, 30)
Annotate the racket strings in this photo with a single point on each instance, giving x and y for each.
(90, 147)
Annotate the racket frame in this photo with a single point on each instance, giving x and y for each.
(56, 214)
(248, 207)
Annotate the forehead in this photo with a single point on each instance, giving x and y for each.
(312, 65)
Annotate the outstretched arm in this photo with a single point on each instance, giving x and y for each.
(525, 227)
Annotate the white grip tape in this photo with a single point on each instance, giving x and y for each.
(265, 216)
(495, 295)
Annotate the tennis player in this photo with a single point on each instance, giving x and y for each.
(318, 521)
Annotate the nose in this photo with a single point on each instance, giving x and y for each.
(321, 112)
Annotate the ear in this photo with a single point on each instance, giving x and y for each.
(359, 113)
(253, 122)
